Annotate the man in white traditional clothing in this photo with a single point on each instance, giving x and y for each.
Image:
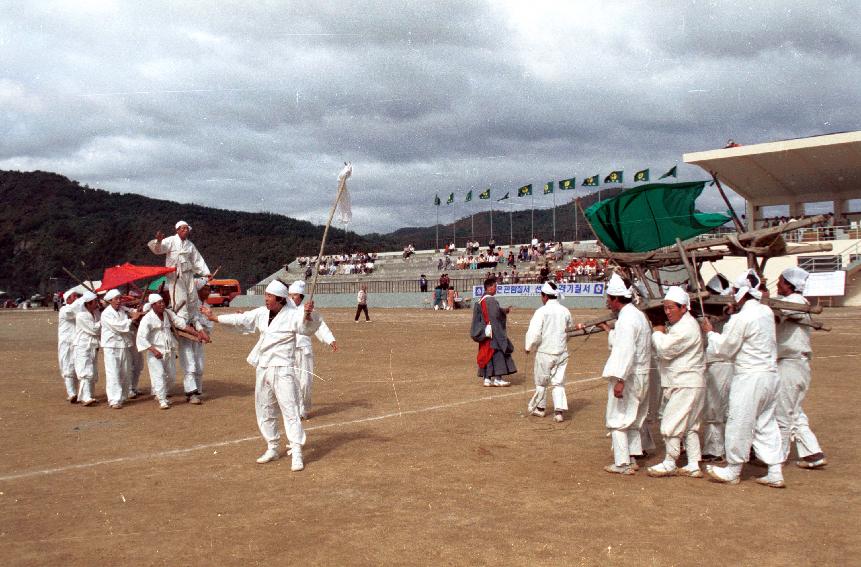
(117, 339)
(547, 335)
(627, 374)
(87, 335)
(276, 389)
(749, 339)
(793, 368)
(155, 339)
(719, 371)
(191, 351)
(182, 255)
(305, 352)
(681, 361)
(72, 305)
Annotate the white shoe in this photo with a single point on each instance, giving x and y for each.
(296, 464)
(690, 472)
(616, 469)
(487, 383)
(195, 399)
(269, 455)
(538, 412)
(500, 383)
(772, 481)
(164, 404)
(806, 464)
(558, 417)
(661, 470)
(722, 474)
(89, 402)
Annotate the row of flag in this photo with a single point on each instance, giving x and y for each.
(564, 185)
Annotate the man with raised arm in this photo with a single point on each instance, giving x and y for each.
(182, 255)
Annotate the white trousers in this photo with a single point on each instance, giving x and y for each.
(87, 369)
(654, 398)
(66, 355)
(305, 372)
(682, 412)
(751, 419)
(137, 367)
(162, 373)
(191, 355)
(794, 382)
(549, 370)
(276, 391)
(718, 380)
(625, 417)
(118, 370)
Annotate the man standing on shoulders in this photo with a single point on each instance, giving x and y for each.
(276, 389)
(489, 323)
(793, 368)
(182, 255)
(627, 373)
(305, 351)
(749, 339)
(548, 336)
(66, 341)
(681, 361)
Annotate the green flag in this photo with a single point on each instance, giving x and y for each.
(525, 190)
(591, 181)
(484, 194)
(671, 173)
(614, 177)
(548, 187)
(641, 176)
(450, 199)
(566, 184)
(504, 198)
(468, 196)
(436, 200)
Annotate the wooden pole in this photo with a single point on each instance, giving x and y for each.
(342, 185)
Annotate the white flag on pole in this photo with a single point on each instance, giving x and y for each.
(345, 210)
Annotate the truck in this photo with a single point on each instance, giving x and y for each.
(222, 292)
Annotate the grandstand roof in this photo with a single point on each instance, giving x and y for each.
(804, 170)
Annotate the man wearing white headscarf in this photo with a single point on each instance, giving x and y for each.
(305, 352)
(793, 367)
(155, 338)
(627, 374)
(117, 338)
(749, 339)
(276, 389)
(191, 351)
(72, 305)
(87, 334)
(719, 371)
(548, 336)
(681, 361)
(182, 255)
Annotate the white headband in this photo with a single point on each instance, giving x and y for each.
(678, 295)
(297, 287)
(546, 289)
(277, 288)
(743, 285)
(616, 287)
(112, 294)
(154, 298)
(182, 223)
(88, 296)
(797, 277)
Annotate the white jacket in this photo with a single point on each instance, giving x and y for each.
(117, 329)
(548, 328)
(277, 343)
(680, 354)
(749, 338)
(87, 329)
(793, 340)
(181, 254)
(66, 320)
(323, 334)
(630, 345)
(157, 333)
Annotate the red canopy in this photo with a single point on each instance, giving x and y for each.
(120, 275)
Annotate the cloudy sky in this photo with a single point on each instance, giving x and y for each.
(255, 105)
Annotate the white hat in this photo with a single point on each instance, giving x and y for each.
(275, 287)
(88, 296)
(146, 307)
(617, 287)
(297, 287)
(71, 291)
(797, 277)
(678, 295)
(719, 284)
(154, 298)
(199, 283)
(182, 223)
(747, 282)
(548, 289)
(112, 294)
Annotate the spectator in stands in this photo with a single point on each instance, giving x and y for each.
(544, 273)
(440, 264)
(308, 272)
(491, 245)
(423, 283)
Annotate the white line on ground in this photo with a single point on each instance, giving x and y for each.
(201, 447)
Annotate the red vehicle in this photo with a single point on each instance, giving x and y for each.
(222, 292)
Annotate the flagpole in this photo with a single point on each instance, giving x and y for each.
(576, 229)
(511, 223)
(491, 217)
(437, 229)
(532, 222)
(454, 225)
(554, 216)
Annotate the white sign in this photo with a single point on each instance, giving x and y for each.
(591, 289)
(825, 283)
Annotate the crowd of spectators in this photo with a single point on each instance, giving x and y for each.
(357, 263)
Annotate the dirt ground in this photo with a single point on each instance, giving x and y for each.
(409, 461)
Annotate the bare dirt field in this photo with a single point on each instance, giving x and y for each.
(409, 461)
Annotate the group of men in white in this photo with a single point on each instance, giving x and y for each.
(283, 356)
(740, 385)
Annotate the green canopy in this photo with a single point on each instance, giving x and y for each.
(156, 284)
(652, 216)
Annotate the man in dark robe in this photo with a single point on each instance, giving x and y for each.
(501, 363)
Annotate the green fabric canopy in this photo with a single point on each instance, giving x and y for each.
(156, 284)
(652, 216)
